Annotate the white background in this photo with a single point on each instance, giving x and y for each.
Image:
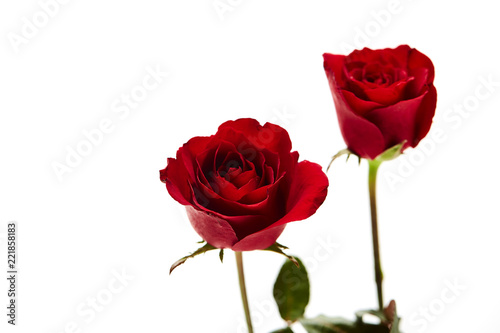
(261, 59)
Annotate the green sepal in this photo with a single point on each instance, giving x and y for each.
(340, 153)
(390, 153)
(278, 248)
(203, 249)
(291, 291)
(221, 255)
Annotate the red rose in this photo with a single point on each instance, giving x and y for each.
(382, 97)
(242, 185)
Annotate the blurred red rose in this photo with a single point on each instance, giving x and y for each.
(242, 185)
(382, 97)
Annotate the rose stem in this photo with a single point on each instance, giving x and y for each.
(372, 184)
(243, 289)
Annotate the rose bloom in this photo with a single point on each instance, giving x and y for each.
(242, 185)
(382, 97)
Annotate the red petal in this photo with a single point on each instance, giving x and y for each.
(244, 177)
(416, 87)
(272, 160)
(397, 122)
(216, 231)
(417, 60)
(273, 205)
(389, 95)
(307, 193)
(425, 114)
(361, 136)
(359, 105)
(334, 64)
(223, 231)
(396, 57)
(258, 195)
(229, 191)
(400, 54)
(177, 180)
(270, 136)
(259, 240)
(422, 69)
(190, 150)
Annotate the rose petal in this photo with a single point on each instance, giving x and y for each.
(233, 173)
(425, 115)
(206, 160)
(229, 191)
(258, 195)
(264, 200)
(268, 175)
(307, 193)
(176, 178)
(358, 105)
(361, 136)
(216, 231)
(334, 67)
(244, 178)
(267, 200)
(287, 166)
(417, 60)
(205, 163)
(272, 160)
(190, 150)
(400, 55)
(389, 95)
(397, 122)
(232, 160)
(396, 57)
(225, 153)
(224, 231)
(260, 240)
(270, 136)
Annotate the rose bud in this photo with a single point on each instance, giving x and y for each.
(383, 98)
(242, 185)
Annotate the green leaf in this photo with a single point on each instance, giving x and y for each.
(277, 248)
(291, 291)
(324, 324)
(395, 325)
(283, 330)
(203, 249)
(389, 322)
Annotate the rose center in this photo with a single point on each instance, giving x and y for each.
(375, 74)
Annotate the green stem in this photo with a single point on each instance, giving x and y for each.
(243, 289)
(372, 184)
